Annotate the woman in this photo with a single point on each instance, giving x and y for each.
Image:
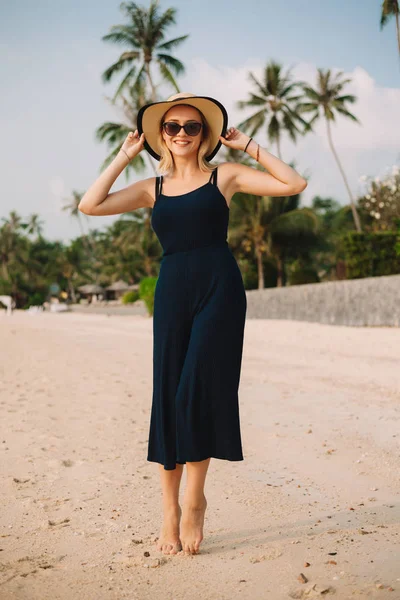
(200, 301)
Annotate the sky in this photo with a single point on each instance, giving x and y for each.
(53, 98)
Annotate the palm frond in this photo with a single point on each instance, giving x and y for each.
(263, 91)
(124, 83)
(119, 65)
(167, 75)
(172, 43)
(121, 34)
(254, 123)
(171, 62)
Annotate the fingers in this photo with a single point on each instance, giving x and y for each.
(135, 137)
(230, 133)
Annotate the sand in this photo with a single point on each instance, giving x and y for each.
(316, 497)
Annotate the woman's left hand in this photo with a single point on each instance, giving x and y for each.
(235, 139)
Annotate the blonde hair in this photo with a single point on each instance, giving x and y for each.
(166, 162)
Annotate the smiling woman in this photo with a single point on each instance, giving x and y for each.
(200, 301)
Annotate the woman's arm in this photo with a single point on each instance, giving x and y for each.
(98, 201)
(282, 180)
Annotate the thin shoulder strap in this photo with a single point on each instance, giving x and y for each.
(213, 177)
(157, 191)
(159, 180)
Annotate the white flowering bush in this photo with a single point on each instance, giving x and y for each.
(380, 203)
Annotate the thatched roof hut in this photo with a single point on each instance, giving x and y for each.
(118, 286)
(91, 288)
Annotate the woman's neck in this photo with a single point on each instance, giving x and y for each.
(185, 169)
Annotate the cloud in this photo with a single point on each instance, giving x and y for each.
(376, 107)
(364, 148)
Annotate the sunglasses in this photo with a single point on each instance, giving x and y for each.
(192, 128)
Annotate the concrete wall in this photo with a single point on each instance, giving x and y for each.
(373, 301)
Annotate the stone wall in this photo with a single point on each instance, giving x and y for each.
(372, 301)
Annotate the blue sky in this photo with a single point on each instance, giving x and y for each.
(53, 98)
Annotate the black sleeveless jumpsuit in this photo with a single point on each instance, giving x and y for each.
(198, 329)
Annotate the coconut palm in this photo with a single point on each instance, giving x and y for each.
(138, 238)
(257, 224)
(72, 207)
(324, 101)
(144, 37)
(390, 8)
(276, 106)
(34, 225)
(71, 264)
(114, 133)
(14, 253)
(292, 234)
(13, 222)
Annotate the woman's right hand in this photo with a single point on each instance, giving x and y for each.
(133, 144)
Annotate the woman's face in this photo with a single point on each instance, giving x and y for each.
(183, 144)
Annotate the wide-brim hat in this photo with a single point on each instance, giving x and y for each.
(149, 120)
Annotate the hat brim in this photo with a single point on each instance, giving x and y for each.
(149, 117)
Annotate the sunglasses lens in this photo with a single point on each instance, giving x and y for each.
(172, 128)
(192, 128)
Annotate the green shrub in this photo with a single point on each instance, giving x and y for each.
(304, 275)
(147, 288)
(248, 269)
(371, 254)
(130, 297)
(36, 299)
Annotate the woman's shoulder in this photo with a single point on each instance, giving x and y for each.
(228, 167)
(228, 171)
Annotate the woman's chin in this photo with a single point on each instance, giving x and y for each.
(182, 151)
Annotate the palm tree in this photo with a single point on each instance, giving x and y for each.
(257, 221)
(73, 208)
(14, 253)
(292, 234)
(323, 101)
(34, 225)
(14, 221)
(114, 133)
(145, 38)
(137, 237)
(390, 8)
(71, 264)
(276, 106)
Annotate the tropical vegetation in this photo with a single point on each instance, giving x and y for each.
(277, 241)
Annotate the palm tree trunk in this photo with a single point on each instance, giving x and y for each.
(260, 270)
(353, 207)
(398, 31)
(153, 89)
(279, 264)
(278, 146)
(5, 270)
(72, 291)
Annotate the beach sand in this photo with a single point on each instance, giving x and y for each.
(81, 505)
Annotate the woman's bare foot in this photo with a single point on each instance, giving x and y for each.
(169, 542)
(192, 525)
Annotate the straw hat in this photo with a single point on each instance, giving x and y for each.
(150, 115)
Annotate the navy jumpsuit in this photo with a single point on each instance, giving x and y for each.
(198, 329)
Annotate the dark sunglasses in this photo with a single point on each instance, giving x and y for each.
(172, 128)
